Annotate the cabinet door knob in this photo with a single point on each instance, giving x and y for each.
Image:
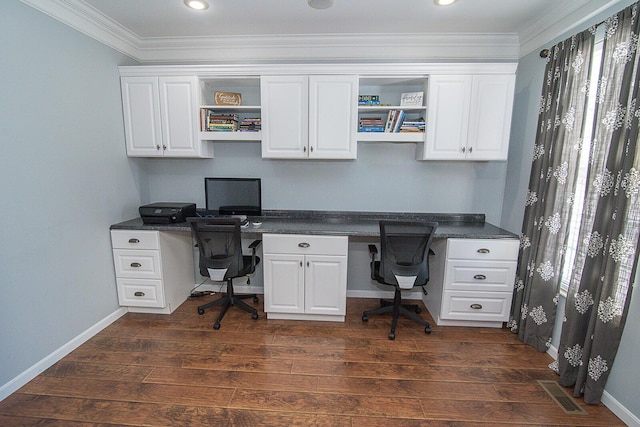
(136, 264)
(480, 277)
(139, 294)
(307, 264)
(304, 149)
(303, 245)
(134, 241)
(483, 251)
(470, 150)
(300, 263)
(311, 148)
(476, 306)
(464, 149)
(164, 147)
(158, 147)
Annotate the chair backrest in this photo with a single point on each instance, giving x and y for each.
(219, 244)
(404, 250)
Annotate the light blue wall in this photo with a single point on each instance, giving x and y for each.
(385, 177)
(623, 381)
(64, 178)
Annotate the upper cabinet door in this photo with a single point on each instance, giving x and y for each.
(285, 116)
(179, 107)
(161, 117)
(447, 117)
(333, 111)
(469, 117)
(309, 117)
(490, 117)
(141, 108)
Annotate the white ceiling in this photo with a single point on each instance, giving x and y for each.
(166, 30)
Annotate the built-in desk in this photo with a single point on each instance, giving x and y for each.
(472, 291)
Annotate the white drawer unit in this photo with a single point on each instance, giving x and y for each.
(305, 277)
(154, 269)
(472, 281)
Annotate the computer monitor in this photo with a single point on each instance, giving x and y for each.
(233, 196)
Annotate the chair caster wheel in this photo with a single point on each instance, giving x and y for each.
(418, 310)
(365, 318)
(392, 336)
(201, 311)
(256, 299)
(216, 326)
(427, 330)
(254, 316)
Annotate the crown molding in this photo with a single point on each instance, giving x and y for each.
(89, 21)
(331, 47)
(565, 17)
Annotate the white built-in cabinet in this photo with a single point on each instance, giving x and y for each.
(154, 270)
(161, 117)
(472, 281)
(305, 277)
(469, 117)
(309, 116)
(312, 111)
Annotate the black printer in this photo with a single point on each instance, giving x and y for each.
(166, 212)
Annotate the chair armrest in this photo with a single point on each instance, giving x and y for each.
(253, 246)
(373, 251)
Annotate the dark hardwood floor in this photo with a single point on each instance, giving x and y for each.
(175, 370)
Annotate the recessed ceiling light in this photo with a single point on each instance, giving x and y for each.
(197, 4)
(320, 4)
(444, 2)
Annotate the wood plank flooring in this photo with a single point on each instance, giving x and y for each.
(175, 370)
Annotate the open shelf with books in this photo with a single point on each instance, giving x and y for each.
(230, 109)
(392, 109)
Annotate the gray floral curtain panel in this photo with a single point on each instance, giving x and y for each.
(559, 144)
(606, 257)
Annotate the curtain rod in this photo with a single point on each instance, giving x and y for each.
(544, 53)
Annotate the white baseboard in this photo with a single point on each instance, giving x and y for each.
(609, 401)
(619, 410)
(12, 386)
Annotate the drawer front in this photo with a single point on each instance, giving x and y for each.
(305, 244)
(483, 276)
(479, 306)
(140, 293)
(137, 264)
(483, 249)
(135, 239)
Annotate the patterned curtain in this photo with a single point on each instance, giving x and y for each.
(552, 183)
(605, 264)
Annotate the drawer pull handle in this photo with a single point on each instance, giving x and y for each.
(303, 245)
(480, 277)
(136, 265)
(300, 263)
(483, 251)
(476, 306)
(134, 241)
(139, 294)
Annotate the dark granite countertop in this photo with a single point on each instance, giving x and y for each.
(332, 223)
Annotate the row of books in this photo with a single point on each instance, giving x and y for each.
(212, 121)
(396, 121)
(250, 124)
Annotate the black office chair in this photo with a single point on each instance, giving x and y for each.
(404, 264)
(221, 259)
